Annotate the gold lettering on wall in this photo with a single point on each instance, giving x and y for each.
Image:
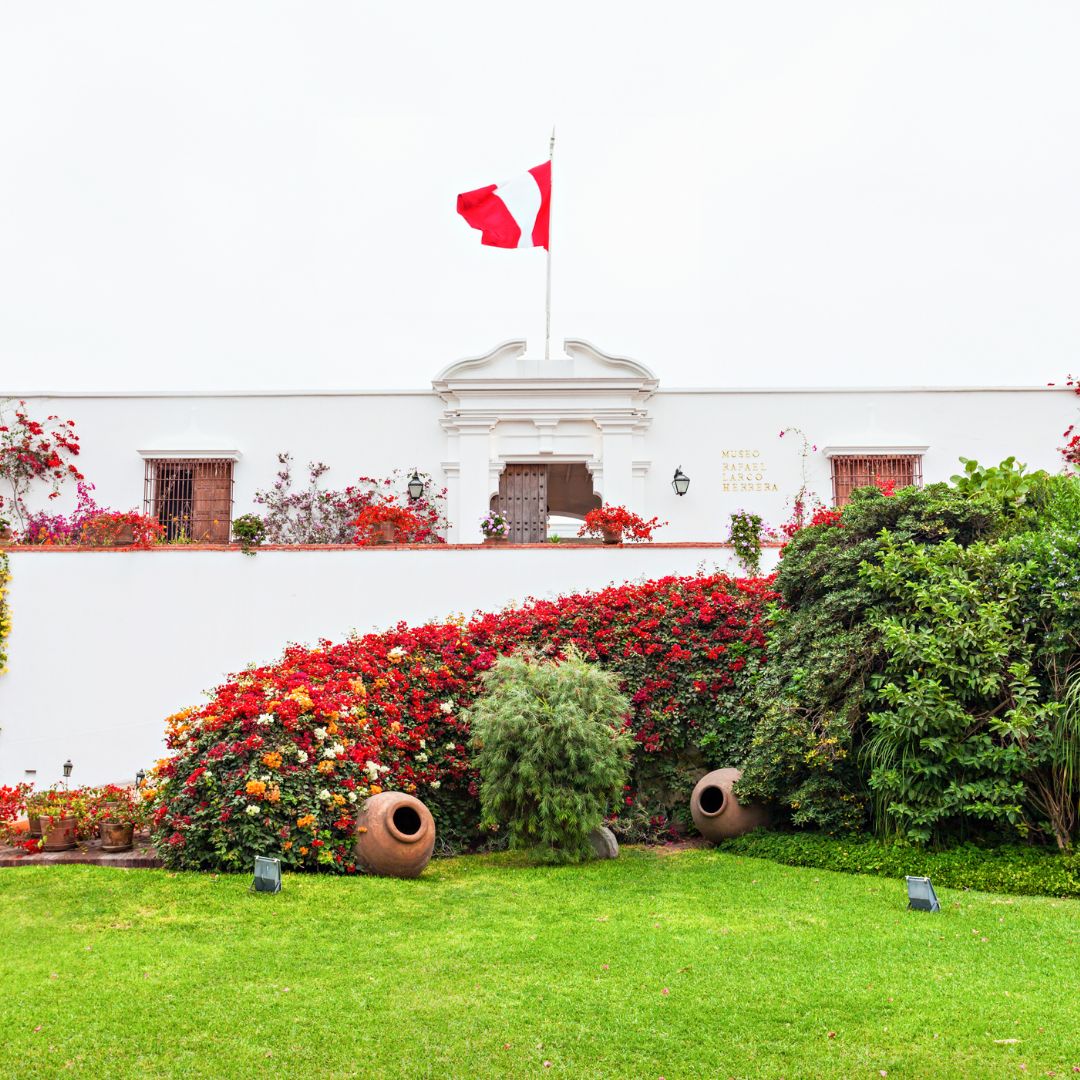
(743, 470)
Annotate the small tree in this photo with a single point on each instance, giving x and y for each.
(552, 751)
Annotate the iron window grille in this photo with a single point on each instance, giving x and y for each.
(191, 497)
(851, 471)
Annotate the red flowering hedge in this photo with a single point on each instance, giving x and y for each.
(281, 757)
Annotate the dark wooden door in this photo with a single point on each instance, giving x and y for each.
(522, 500)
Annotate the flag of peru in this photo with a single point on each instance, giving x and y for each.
(513, 214)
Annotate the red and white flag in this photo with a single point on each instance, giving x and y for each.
(513, 214)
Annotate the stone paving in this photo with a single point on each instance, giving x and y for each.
(142, 855)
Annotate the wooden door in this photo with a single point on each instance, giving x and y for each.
(522, 500)
(211, 510)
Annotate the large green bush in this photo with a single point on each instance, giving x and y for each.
(924, 663)
(551, 743)
(812, 699)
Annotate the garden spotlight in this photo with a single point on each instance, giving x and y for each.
(921, 895)
(267, 875)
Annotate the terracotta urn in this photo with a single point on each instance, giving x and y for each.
(33, 826)
(395, 835)
(116, 836)
(612, 536)
(58, 833)
(125, 536)
(717, 814)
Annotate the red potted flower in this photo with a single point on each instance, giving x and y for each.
(616, 524)
(385, 522)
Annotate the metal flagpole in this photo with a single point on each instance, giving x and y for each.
(547, 320)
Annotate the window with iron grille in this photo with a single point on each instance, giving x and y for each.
(191, 497)
(851, 471)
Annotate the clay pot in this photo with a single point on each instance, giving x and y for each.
(59, 833)
(717, 814)
(491, 541)
(116, 836)
(125, 536)
(33, 826)
(395, 835)
(383, 532)
(612, 536)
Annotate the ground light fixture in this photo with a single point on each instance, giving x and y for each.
(921, 895)
(416, 486)
(680, 482)
(267, 875)
(140, 776)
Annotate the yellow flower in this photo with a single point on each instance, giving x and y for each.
(339, 800)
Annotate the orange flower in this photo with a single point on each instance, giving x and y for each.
(331, 728)
(339, 800)
(272, 760)
(255, 787)
(274, 794)
(305, 821)
(287, 845)
(303, 851)
(325, 766)
(376, 789)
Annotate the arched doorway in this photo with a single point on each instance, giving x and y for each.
(533, 495)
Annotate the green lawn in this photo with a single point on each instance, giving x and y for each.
(687, 965)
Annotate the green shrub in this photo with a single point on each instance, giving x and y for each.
(812, 698)
(552, 750)
(1015, 869)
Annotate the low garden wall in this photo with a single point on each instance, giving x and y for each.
(106, 643)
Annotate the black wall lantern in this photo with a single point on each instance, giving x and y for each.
(67, 768)
(680, 482)
(416, 485)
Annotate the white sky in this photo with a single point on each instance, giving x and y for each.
(258, 194)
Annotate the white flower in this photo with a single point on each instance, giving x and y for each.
(352, 796)
(384, 768)
(447, 708)
(450, 746)
(320, 733)
(325, 795)
(372, 770)
(339, 749)
(423, 743)
(253, 810)
(329, 753)
(265, 720)
(396, 653)
(434, 785)
(421, 757)
(301, 755)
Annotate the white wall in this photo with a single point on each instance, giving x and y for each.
(106, 644)
(373, 434)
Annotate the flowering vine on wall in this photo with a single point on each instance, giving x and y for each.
(5, 610)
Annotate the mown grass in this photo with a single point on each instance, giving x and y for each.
(687, 965)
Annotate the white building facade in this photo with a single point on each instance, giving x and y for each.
(587, 427)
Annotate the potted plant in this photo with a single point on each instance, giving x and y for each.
(118, 827)
(249, 530)
(385, 522)
(5, 530)
(496, 528)
(112, 528)
(614, 524)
